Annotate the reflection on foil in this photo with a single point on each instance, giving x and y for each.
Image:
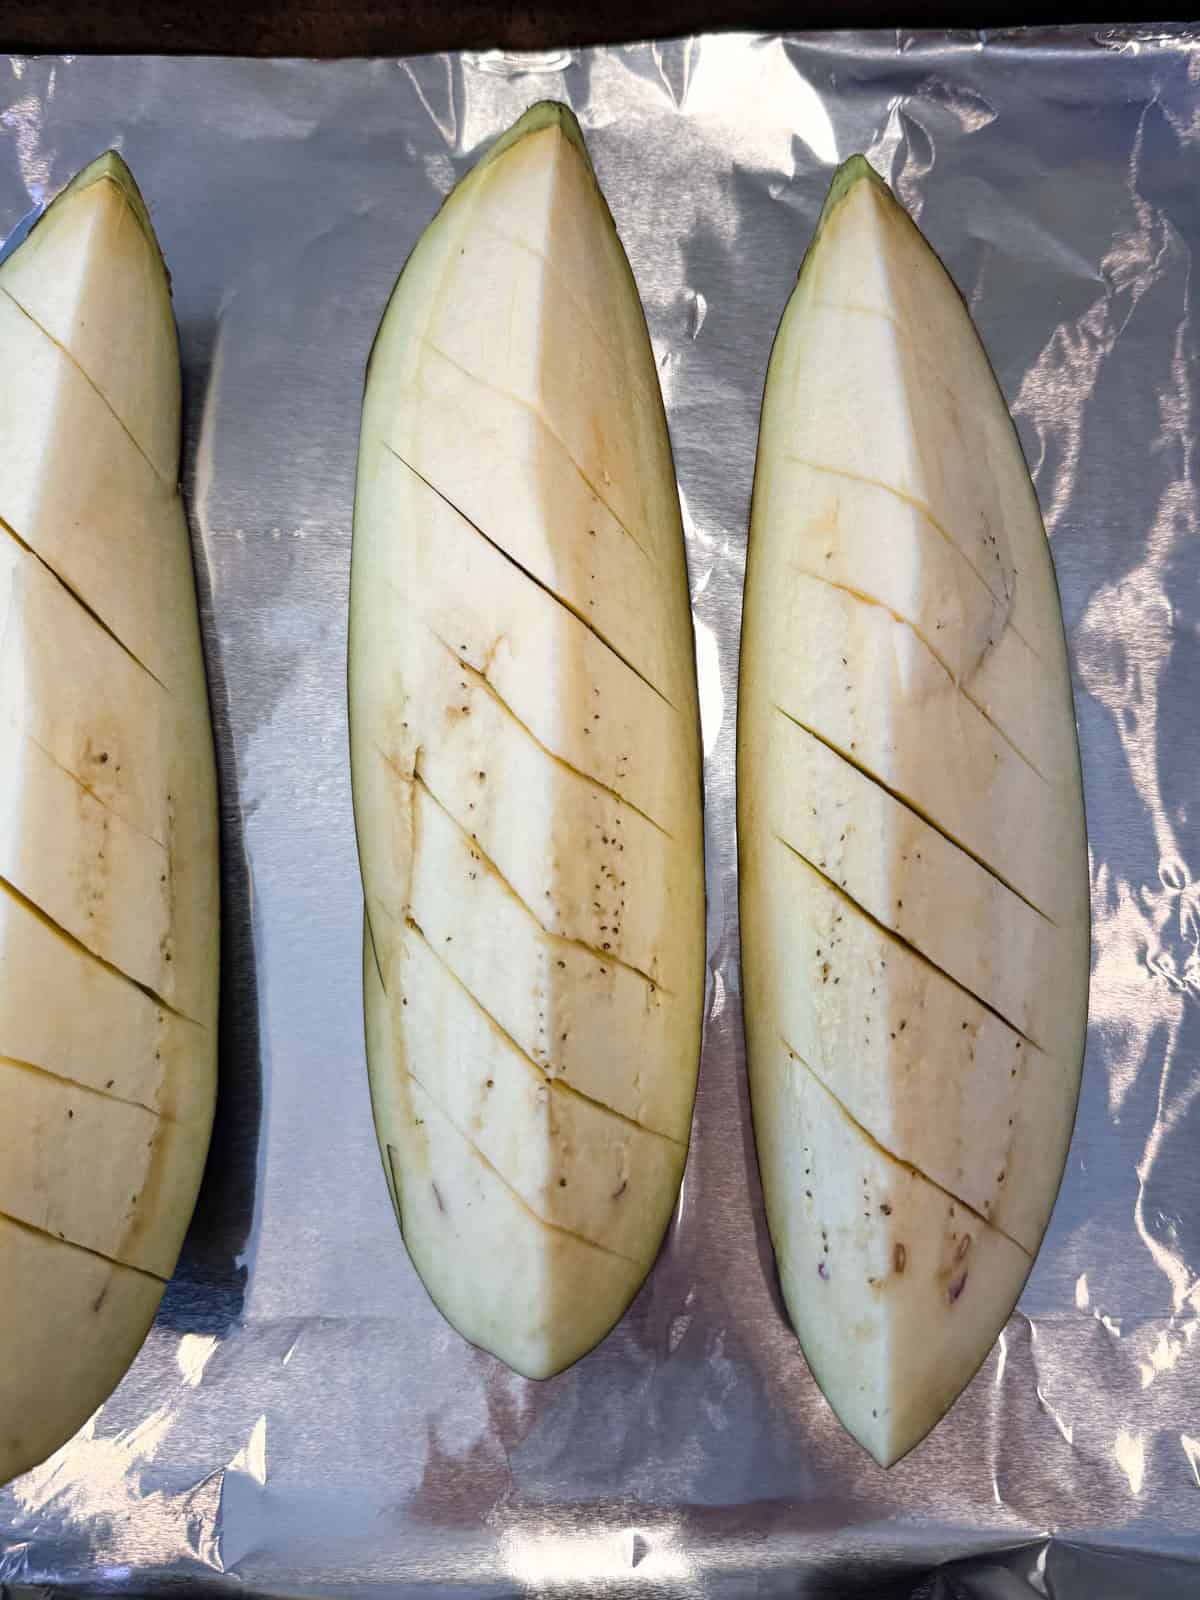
(193, 1355)
(97, 1474)
(252, 1460)
(583, 1560)
(1130, 1453)
(708, 674)
(755, 103)
(301, 1420)
(505, 63)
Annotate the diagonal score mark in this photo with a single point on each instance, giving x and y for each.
(819, 304)
(926, 513)
(91, 383)
(552, 1227)
(489, 688)
(70, 1244)
(865, 599)
(554, 271)
(1000, 734)
(604, 957)
(9, 888)
(87, 789)
(964, 400)
(16, 538)
(556, 1085)
(526, 573)
(34, 1070)
(536, 414)
(909, 805)
(899, 1161)
(898, 938)
(919, 506)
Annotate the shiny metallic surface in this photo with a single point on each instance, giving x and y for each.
(301, 1419)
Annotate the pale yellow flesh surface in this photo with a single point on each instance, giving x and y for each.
(874, 1262)
(113, 1037)
(70, 1324)
(525, 754)
(103, 218)
(142, 1169)
(884, 1031)
(572, 1162)
(108, 832)
(86, 526)
(911, 846)
(505, 1278)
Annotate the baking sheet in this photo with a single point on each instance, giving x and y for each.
(301, 1419)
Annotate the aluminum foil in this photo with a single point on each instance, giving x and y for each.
(301, 1419)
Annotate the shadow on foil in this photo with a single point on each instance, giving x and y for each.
(208, 1289)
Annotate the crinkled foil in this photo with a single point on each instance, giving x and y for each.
(301, 1419)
